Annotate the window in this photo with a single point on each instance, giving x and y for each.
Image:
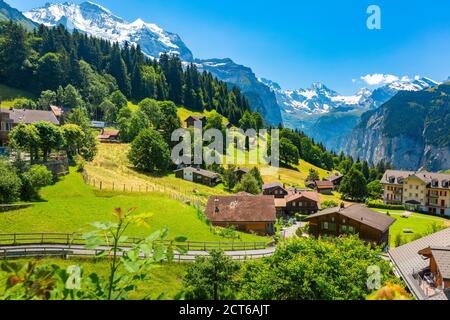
(324, 225)
(294, 204)
(343, 228)
(351, 229)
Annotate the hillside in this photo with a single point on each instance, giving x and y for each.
(111, 166)
(412, 130)
(9, 94)
(8, 13)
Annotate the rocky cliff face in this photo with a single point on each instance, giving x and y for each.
(260, 96)
(411, 131)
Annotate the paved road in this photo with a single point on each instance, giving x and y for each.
(291, 231)
(79, 251)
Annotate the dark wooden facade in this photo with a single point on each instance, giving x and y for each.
(339, 222)
(190, 121)
(276, 190)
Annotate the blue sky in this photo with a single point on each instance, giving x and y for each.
(296, 42)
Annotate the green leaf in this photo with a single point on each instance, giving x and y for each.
(181, 239)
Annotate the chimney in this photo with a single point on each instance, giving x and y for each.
(216, 205)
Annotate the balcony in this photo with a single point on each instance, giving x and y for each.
(427, 282)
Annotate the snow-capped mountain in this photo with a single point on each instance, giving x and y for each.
(98, 21)
(330, 117)
(317, 99)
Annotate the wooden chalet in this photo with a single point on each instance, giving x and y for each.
(191, 120)
(108, 136)
(276, 189)
(371, 226)
(197, 175)
(336, 179)
(240, 172)
(303, 202)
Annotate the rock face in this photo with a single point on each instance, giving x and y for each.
(411, 131)
(260, 96)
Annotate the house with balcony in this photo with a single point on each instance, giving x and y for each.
(424, 265)
(420, 191)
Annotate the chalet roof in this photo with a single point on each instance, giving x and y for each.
(273, 185)
(58, 111)
(241, 208)
(243, 170)
(442, 257)
(324, 184)
(195, 118)
(335, 177)
(313, 196)
(408, 260)
(361, 214)
(108, 133)
(397, 177)
(30, 116)
(202, 172)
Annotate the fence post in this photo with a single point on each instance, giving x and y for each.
(124, 187)
(113, 185)
(101, 185)
(14, 241)
(42, 238)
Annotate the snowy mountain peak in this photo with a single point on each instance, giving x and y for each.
(98, 21)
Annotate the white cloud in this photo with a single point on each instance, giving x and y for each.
(379, 79)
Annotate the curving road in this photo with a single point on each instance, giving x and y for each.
(69, 251)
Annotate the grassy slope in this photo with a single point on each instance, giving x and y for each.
(419, 223)
(9, 94)
(184, 113)
(70, 206)
(111, 165)
(165, 278)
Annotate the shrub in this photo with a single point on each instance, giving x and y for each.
(380, 205)
(34, 179)
(329, 204)
(10, 184)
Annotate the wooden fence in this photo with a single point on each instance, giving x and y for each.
(76, 239)
(172, 191)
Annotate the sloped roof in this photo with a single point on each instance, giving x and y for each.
(425, 176)
(201, 172)
(408, 260)
(241, 208)
(272, 185)
(30, 116)
(361, 214)
(334, 177)
(442, 257)
(324, 184)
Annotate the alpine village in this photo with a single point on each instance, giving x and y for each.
(89, 191)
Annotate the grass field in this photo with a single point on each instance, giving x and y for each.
(164, 278)
(70, 206)
(112, 166)
(9, 94)
(418, 223)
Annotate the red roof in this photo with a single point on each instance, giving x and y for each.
(324, 185)
(241, 208)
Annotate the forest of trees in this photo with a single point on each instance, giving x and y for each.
(50, 59)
